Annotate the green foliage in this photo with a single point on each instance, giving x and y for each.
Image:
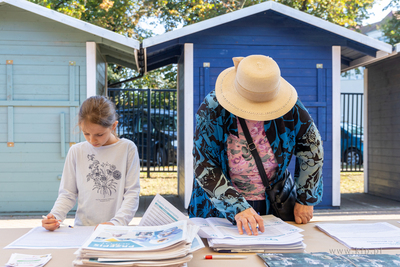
(348, 13)
(393, 4)
(162, 78)
(117, 16)
(173, 13)
(123, 17)
(391, 30)
(129, 99)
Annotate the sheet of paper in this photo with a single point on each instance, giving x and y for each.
(206, 230)
(64, 237)
(364, 236)
(258, 240)
(160, 212)
(24, 260)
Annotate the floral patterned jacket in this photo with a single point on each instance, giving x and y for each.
(294, 133)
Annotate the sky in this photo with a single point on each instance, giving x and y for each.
(378, 14)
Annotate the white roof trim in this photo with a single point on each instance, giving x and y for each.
(285, 10)
(73, 22)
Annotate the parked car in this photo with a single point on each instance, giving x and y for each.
(134, 125)
(352, 144)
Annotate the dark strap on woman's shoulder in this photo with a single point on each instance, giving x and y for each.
(253, 150)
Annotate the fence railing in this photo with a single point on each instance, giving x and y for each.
(352, 132)
(149, 118)
(138, 107)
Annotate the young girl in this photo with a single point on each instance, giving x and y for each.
(101, 173)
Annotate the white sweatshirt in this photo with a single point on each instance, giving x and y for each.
(104, 180)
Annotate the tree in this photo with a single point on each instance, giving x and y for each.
(162, 78)
(390, 28)
(118, 16)
(172, 13)
(176, 13)
(121, 17)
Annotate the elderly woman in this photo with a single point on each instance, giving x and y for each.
(227, 181)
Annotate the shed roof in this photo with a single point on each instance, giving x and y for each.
(353, 54)
(395, 54)
(115, 47)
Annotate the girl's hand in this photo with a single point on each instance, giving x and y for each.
(108, 223)
(50, 222)
(246, 217)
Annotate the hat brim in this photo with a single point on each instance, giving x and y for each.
(236, 104)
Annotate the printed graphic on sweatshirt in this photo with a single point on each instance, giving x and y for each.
(104, 175)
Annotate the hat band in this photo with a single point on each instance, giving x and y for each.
(256, 96)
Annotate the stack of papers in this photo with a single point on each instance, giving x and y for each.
(364, 235)
(165, 245)
(278, 237)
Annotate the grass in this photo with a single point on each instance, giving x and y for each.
(163, 183)
(351, 182)
(166, 183)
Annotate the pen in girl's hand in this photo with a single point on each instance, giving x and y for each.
(61, 223)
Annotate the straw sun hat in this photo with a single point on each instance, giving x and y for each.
(254, 90)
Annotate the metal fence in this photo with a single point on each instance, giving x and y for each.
(149, 118)
(137, 107)
(352, 132)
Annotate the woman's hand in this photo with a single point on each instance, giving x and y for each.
(50, 222)
(302, 213)
(246, 217)
(108, 223)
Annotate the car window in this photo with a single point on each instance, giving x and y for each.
(143, 124)
(353, 129)
(357, 130)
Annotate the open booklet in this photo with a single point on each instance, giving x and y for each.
(275, 229)
(278, 236)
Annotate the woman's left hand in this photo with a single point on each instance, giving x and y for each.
(302, 213)
(249, 217)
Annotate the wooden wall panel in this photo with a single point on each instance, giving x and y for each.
(384, 128)
(296, 47)
(43, 53)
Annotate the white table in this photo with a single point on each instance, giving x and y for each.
(315, 240)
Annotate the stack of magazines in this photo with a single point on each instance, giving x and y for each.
(278, 237)
(163, 245)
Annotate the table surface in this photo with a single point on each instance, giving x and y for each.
(315, 240)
